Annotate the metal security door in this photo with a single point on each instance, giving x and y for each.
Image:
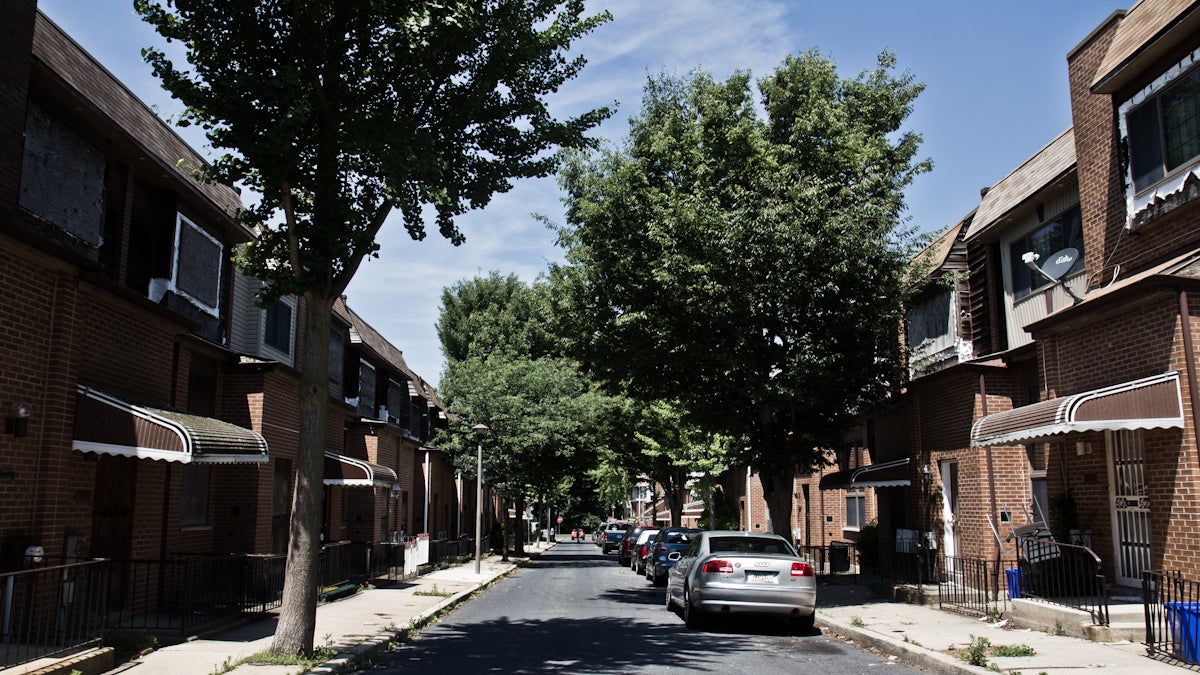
(1130, 505)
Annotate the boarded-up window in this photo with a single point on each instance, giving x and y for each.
(62, 177)
(198, 265)
(366, 389)
(277, 327)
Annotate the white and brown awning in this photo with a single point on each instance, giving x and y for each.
(884, 474)
(352, 472)
(109, 425)
(1149, 403)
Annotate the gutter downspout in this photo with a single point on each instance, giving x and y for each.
(428, 476)
(1185, 320)
(991, 482)
(749, 504)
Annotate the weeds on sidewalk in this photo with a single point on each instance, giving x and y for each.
(435, 592)
(980, 648)
(267, 658)
(1013, 650)
(858, 622)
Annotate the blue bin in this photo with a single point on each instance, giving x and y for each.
(1183, 622)
(1013, 576)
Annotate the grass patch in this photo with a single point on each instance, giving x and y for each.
(858, 622)
(1013, 650)
(911, 641)
(435, 592)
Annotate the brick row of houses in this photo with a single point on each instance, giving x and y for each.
(150, 406)
(1066, 401)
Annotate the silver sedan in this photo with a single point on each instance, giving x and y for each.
(731, 572)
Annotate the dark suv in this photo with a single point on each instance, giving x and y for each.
(668, 545)
(625, 550)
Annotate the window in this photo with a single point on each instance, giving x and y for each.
(1164, 131)
(1064, 231)
(194, 496)
(336, 361)
(366, 389)
(277, 327)
(198, 265)
(856, 511)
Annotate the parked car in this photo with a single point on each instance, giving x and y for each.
(637, 559)
(625, 550)
(612, 535)
(665, 549)
(730, 572)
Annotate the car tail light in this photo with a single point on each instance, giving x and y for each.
(800, 569)
(718, 567)
(642, 552)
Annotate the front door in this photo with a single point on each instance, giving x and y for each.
(1130, 505)
(949, 470)
(112, 519)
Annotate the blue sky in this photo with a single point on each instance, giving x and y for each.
(996, 92)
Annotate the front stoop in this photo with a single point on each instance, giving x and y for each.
(1126, 622)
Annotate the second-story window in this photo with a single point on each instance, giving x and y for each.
(366, 389)
(1164, 131)
(277, 327)
(856, 510)
(1063, 231)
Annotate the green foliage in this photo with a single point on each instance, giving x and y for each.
(751, 268)
(1013, 650)
(857, 622)
(976, 652)
(492, 315)
(867, 546)
(435, 592)
(724, 512)
(334, 114)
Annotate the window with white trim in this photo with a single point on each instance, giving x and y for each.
(856, 510)
(1164, 131)
(1063, 231)
(197, 273)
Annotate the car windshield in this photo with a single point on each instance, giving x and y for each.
(748, 545)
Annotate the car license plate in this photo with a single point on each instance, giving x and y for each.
(760, 577)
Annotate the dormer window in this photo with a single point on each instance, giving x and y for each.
(1164, 131)
(277, 327)
(1160, 132)
(1063, 231)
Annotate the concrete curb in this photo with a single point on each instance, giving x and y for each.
(907, 652)
(367, 649)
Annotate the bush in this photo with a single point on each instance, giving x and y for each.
(868, 546)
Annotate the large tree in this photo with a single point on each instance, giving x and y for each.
(750, 265)
(545, 418)
(334, 114)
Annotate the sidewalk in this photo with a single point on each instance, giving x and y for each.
(925, 636)
(353, 626)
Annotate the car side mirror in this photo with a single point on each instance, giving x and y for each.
(674, 555)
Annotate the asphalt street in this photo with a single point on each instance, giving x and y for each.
(574, 610)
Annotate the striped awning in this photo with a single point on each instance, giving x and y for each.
(351, 472)
(1149, 403)
(886, 474)
(109, 425)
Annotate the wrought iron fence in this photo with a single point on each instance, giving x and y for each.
(387, 561)
(51, 610)
(971, 585)
(838, 558)
(1172, 606)
(450, 550)
(1061, 574)
(180, 594)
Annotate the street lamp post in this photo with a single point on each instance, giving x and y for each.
(480, 430)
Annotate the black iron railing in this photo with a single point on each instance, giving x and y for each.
(838, 558)
(1172, 605)
(180, 594)
(48, 611)
(971, 585)
(1061, 574)
(450, 550)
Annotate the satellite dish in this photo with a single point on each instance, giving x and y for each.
(1059, 263)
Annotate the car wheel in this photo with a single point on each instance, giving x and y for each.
(649, 572)
(659, 579)
(691, 615)
(805, 622)
(605, 549)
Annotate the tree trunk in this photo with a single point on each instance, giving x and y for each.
(298, 613)
(777, 485)
(505, 529)
(519, 542)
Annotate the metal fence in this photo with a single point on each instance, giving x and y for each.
(972, 585)
(838, 558)
(1172, 605)
(51, 610)
(1061, 574)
